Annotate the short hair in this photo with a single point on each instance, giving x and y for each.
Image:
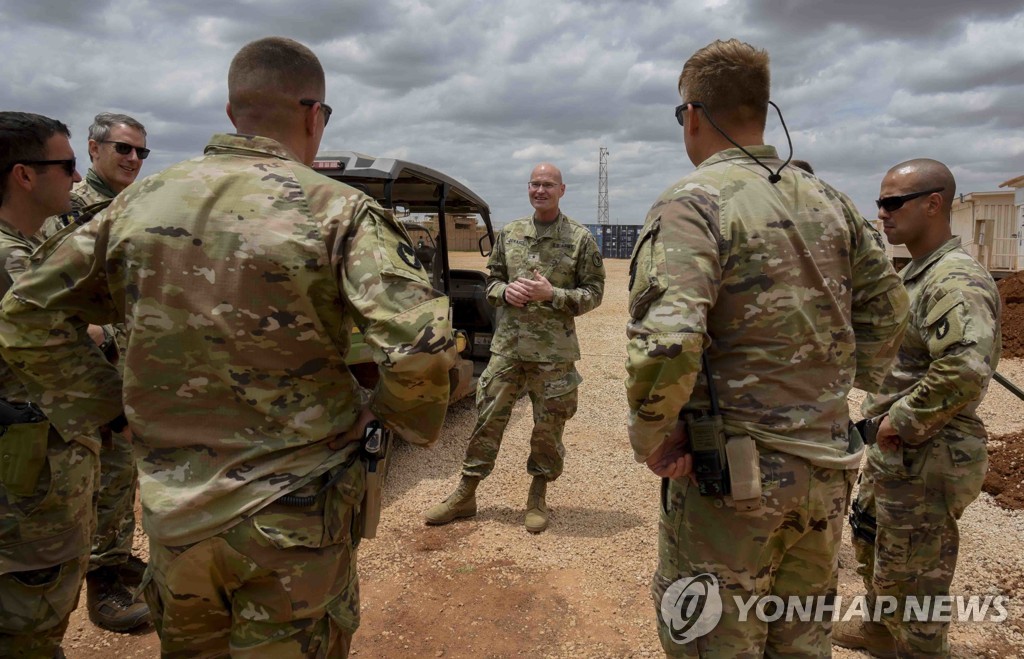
(802, 164)
(105, 121)
(273, 66)
(732, 80)
(928, 173)
(23, 136)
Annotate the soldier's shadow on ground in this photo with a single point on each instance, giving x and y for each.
(566, 521)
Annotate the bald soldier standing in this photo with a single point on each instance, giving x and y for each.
(758, 298)
(930, 458)
(545, 270)
(240, 275)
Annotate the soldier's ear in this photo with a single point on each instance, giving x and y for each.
(231, 115)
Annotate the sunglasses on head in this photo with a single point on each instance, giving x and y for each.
(124, 149)
(68, 163)
(890, 204)
(310, 102)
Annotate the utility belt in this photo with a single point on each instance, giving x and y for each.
(24, 441)
(374, 446)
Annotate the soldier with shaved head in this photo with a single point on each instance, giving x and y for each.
(545, 269)
(240, 275)
(930, 458)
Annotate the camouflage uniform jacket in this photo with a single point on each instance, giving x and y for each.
(568, 256)
(950, 350)
(240, 274)
(15, 250)
(90, 190)
(793, 288)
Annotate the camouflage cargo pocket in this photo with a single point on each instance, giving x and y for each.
(965, 475)
(23, 450)
(564, 379)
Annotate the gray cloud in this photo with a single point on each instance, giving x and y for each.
(482, 91)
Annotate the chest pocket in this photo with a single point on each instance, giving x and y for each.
(646, 270)
(947, 323)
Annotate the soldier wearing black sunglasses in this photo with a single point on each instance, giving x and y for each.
(926, 418)
(39, 579)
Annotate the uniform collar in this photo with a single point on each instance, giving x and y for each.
(761, 152)
(224, 143)
(94, 181)
(531, 229)
(919, 266)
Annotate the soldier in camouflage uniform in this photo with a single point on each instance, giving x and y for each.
(113, 572)
(240, 275)
(46, 481)
(545, 270)
(930, 458)
(775, 277)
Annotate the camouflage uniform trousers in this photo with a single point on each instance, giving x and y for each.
(115, 503)
(44, 548)
(916, 499)
(280, 584)
(552, 387)
(788, 547)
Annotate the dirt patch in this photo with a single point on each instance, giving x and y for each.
(1011, 291)
(1005, 478)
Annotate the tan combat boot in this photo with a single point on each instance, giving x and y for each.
(864, 635)
(536, 507)
(461, 503)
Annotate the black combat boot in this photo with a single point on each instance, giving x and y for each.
(111, 603)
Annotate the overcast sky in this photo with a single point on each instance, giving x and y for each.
(484, 90)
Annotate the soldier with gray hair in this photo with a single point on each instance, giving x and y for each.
(545, 269)
(240, 275)
(930, 457)
(117, 147)
(756, 303)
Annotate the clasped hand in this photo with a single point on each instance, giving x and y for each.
(673, 459)
(524, 290)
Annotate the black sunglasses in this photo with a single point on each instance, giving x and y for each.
(890, 204)
(323, 106)
(681, 109)
(124, 149)
(69, 164)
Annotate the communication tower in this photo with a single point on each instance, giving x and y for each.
(602, 187)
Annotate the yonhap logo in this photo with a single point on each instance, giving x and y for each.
(691, 607)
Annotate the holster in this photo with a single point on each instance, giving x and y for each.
(24, 440)
(376, 443)
(863, 523)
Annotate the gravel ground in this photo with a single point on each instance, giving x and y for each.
(486, 588)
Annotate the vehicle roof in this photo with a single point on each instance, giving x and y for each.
(413, 186)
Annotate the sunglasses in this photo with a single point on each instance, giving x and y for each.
(69, 164)
(681, 109)
(890, 204)
(124, 149)
(309, 102)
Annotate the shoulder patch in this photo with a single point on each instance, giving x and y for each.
(408, 255)
(597, 259)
